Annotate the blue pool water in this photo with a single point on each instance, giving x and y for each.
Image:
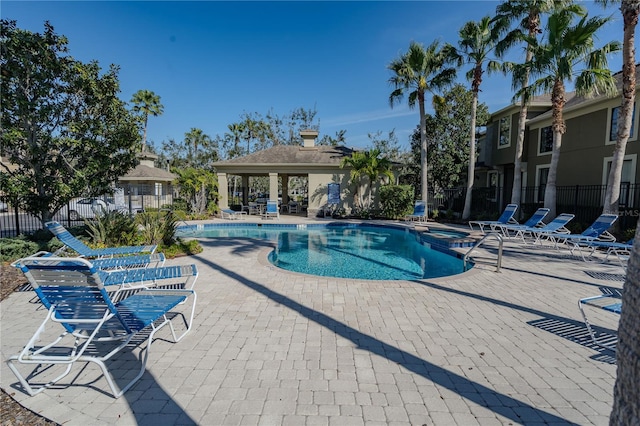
(346, 251)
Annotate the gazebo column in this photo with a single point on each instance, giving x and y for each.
(245, 190)
(223, 191)
(273, 186)
(285, 190)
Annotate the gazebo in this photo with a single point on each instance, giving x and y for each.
(319, 163)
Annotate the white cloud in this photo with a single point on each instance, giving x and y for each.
(368, 116)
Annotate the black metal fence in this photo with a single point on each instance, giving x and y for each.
(584, 201)
(14, 221)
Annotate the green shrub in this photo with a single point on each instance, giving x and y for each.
(157, 228)
(15, 248)
(396, 200)
(113, 229)
(181, 247)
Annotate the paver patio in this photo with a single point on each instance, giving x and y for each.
(274, 348)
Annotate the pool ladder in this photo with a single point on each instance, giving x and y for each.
(495, 235)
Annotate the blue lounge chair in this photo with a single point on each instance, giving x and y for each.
(535, 221)
(232, 214)
(621, 251)
(182, 276)
(611, 302)
(122, 262)
(596, 232)
(419, 213)
(555, 227)
(505, 218)
(271, 210)
(96, 327)
(81, 248)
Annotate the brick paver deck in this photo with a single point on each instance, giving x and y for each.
(274, 348)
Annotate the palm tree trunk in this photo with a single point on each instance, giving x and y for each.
(626, 392)
(625, 117)
(559, 127)
(466, 213)
(144, 136)
(423, 148)
(516, 191)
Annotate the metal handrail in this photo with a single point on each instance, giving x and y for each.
(479, 243)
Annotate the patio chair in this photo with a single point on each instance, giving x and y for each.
(81, 248)
(181, 276)
(610, 302)
(419, 214)
(555, 227)
(122, 262)
(535, 221)
(232, 214)
(505, 218)
(294, 207)
(621, 251)
(96, 328)
(271, 210)
(596, 232)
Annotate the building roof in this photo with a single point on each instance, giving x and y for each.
(284, 155)
(574, 101)
(144, 172)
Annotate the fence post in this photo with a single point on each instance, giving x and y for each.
(575, 199)
(17, 216)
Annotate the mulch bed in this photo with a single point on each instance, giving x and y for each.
(11, 412)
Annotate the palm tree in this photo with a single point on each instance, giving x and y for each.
(477, 41)
(195, 139)
(367, 164)
(626, 392)
(555, 61)
(527, 13)
(630, 11)
(146, 102)
(420, 71)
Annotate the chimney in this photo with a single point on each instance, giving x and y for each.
(309, 137)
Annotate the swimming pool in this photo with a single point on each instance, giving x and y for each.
(343, 250)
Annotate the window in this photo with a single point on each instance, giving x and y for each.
(541, 181)
(504, 132)
(627, 177)
(546, 140)
(492, 183)
(613, 125)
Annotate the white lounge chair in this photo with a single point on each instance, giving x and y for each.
(535, 221)
(505, 218)
(81, 248)
(419, 214)
(96, 327)
(611, 302)
(271, 210)
(232, 214)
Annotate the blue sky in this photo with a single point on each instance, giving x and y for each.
(211, 61)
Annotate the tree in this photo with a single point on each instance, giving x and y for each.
(447, 132)
(367, 164)
(62, 123)
(565, 48)
(630, 10)
(527, 14)
(197, 150)
(199, 187)
(420, 71)
(626, 395)
(477, 41)
(626, 391)
(146, 103)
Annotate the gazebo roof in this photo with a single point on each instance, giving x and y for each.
(143, 172)
(287, 155)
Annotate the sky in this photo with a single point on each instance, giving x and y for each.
(212, 61)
